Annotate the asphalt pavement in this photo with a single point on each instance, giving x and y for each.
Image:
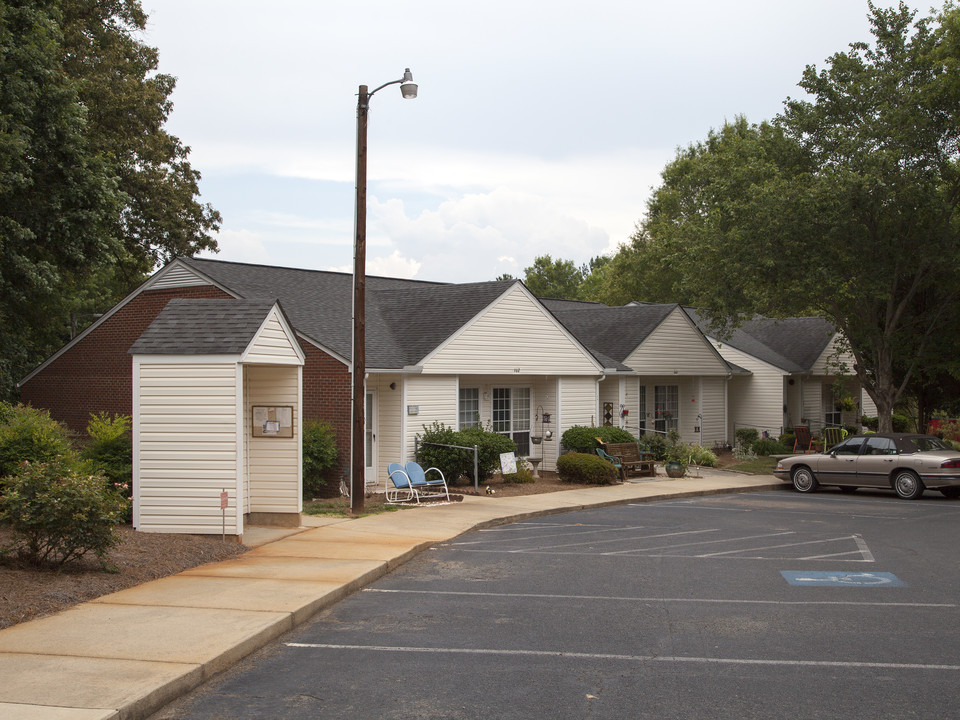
(125, 655)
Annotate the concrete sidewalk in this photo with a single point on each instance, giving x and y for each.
(126, 655)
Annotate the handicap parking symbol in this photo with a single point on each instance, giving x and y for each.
(841, 578)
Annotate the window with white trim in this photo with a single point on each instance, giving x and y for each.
(468, 415)
(511, 416)
(666, 402)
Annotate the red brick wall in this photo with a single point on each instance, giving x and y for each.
(326, 396)
(96, 374)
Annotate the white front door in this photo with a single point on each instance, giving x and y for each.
(370, 438)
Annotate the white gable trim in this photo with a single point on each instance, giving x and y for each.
(275, 313)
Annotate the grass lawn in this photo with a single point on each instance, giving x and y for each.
(340, 507)
(760, 466)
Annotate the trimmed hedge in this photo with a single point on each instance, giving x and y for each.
(582, 439)
(586, 468)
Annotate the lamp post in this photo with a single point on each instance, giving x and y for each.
(408, 89)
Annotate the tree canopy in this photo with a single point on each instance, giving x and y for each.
(845, 205)
(94, 193)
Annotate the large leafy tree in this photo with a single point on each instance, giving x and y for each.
(845, 205)
(93, 191)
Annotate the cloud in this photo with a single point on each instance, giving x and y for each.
(479, 236)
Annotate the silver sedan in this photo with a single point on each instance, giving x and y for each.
(904, 462)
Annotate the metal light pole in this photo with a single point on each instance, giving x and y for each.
(357, 437)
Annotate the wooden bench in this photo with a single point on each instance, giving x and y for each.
(631, 459)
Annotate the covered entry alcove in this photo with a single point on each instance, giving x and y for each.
(217, 418)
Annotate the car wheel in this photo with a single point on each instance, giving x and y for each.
(803, 480)
(847, 489)
(952, 492)
(908, 485)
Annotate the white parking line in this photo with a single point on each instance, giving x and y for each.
(784, 545)
(714, 601)
(627, 658)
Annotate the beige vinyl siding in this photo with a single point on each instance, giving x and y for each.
(177, 276)
(578, 403)
(676, 346)
(272, 479)
(187, 449)
(755, 400)
(273, 344)
(436, 398)
(390, 422)
(514, 336)
(832, 361)
(631, 400)
(610, 393)
(812, 398)
(869, 407)
(713, 407)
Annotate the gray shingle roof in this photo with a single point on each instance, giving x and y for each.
(203, 327)
(405, 319)
(614, 331)
(791, 344)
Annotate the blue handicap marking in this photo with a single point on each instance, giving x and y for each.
(841, 578)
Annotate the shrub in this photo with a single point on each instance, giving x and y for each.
(110, 447)
(747, 436)
(870, 423)
(788, 440)
(581, 439)
(657, 445)
(523, 474)
(769, 446)
(586, 468)
(319, 456)
(901, 423)
(58, 514)
(455, 463)
(30, 434)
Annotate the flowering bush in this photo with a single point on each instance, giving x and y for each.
(58, 514)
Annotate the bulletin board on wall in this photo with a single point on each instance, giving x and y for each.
(273, 421)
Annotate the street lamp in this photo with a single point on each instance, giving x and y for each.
(408, 89)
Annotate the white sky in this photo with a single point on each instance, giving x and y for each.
(540, 128)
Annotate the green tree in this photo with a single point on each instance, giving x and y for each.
(845, 205)
(558, 279)
(93, 191)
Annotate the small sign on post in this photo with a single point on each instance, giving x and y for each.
(224, 500)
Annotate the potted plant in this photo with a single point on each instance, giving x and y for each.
(675, 456)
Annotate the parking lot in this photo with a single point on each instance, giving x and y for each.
(761, 605)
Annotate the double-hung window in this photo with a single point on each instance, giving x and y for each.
(511, 416)
(468, 414)
(666, 400)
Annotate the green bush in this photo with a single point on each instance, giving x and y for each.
(30, 434)
(523, 474)
(747, 436)
(581, 439)
(58, 514)
(788, 439)
(901, 423)
(110, 447)
(319, 456)
(586, 468)
(455, 463)
(769, 446)
(657, 445)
